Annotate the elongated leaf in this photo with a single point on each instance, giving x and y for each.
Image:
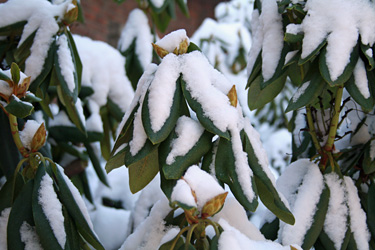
(21, 212)
(318, 220)
(161, 20)
(71, 204)
(96, 164)
(307, 93)
(266, 189)
(327, 243)
(133, 66)
(23, 51)
(76, 59)
(115, 161)
(10, 190)
(324, 70)
(225, 169)
(72, 236)
(256, 70)
(72, 134)
(181, 163)
(168, 126)
(293, 38)
(15, 71)
(19, 108)
(315, 52)
(143, 171)
(183, 7)
(14, 29)
(366, 103)
(371, 209)
(204, 120)
(42, 225)
(258, 97)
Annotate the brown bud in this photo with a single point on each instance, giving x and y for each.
(191, 215)
(232, 95)
(214, 205)
(21, 89)
(39, 138)
(183, 47)
(72, 15)
(159, 50)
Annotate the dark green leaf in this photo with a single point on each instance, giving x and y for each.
(96, 164)
(161, 20)
(115, 161)
(324, 70)
(183, 6)
(160, 135)
(370, 59)
(311, 56)
(181, 163)
(192, 46)
(366, 103)
(167, 246)
(270, 229)
(258, 97)
(69, 201)
(204, 120)
(214, 244)
(10, 190)
(23, 51)
(15, 71)
(256, 70)
(14, 29)
(225, 169)
(72, 134)
(133, 66)
(21, 212)
(30, 97)
(293, 38)
(19, 108)
(307, 93)
(371, 208)
(72, 236)
(76, 59)
(4, 77)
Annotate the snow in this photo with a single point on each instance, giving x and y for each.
(170, 234)
(302, 184)
(357, 216)
(369, 52)
(29, 237)
(360, 78)
(139, 134)
(182, 193)
(162, 88)
(143, 237)
(28, 132)
(137, 28)
(172, 40)
(293, 28)
(335, 224)
(4, 217)
(52, 208)
(235, 215)
(203, 184)
(290, 55)
(5, 89)
(158, 3)
(105, 74)
(301, 90)
(40, 16)
(372, 150)
(66, 61)
(61, 119)
(79, 109)
(188, 133)
(341, 28)
(94, 123)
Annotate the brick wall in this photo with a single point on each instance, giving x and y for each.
(104, 19)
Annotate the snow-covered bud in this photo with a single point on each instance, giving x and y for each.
(71, 14)
(13, 82)
(175, 42)
(33, 136)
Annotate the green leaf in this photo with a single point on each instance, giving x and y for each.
(69, 201)
(366, 103)
(4, 77)
(307, 93)
(368, 163)
(266, 189)
(21, 212)
(143, 171)
(14, 29)
(115, 161)
(23, 50)
(324, 70)
(42, 225)
(203, 119)
(214, 244)
(133, 66)
(329, 244)
(293, 38)
(370, 59)
(76, 59)
(161, 20)
(72, 236)
(313, 232)
(30, 97)
(167, 246)
(270, 229)
(96, 164)
(19, 108)
(193, 156)
(256, 70)
(192, 46)
(225, 169)
(315, 52)
(15, 71)
(72, 134)
(86, 91)
(168, 126)
(258, 97)
(10, 190)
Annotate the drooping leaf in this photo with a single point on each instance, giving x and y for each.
(72, 236)
(133, 66)
(183, 7)
(258, 97)
(256, 70)
(14, 29)
(366, 103)
(19, 108)
(312, 55)
(225, 169)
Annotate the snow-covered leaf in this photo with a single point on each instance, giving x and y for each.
(325, 71)
(13, 29)
(307, 93)
(204, 120)
(133, 65)
(255, 70)
(21, 211)
(47, 233)
(312, 55)
(225, 169)
(367, 51)
(174, 113)
(258, 97)
(266, 188)
(75, 205)
(351, 86)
